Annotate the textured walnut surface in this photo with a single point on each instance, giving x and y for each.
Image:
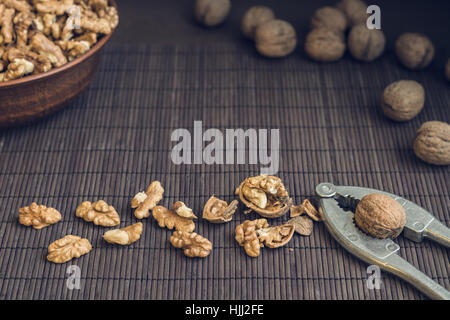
(403, 100)
(67, 248)
(100, 213)
(193, 244)
(265, 195)
(432, 142)
(365, 44)
(275, 38)
(302, 225)
(325, 45)
(380, 216)
(414, 50)
(246, 235)
(38, 216)
(169, 219)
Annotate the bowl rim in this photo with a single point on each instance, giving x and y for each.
(55, 71)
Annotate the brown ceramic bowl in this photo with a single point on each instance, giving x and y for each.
(36, 96)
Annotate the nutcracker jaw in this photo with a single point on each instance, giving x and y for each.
(338, 202)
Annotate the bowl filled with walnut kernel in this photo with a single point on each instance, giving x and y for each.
(49, 53)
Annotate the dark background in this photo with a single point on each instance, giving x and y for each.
(172, 22)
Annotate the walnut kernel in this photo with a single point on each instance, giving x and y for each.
(124, 236)
(38, 216)
(193, 244)
(98, 212)
(146, 201)
(67, 248)
(169, 219)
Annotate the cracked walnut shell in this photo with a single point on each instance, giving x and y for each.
(275, 237)
(146, 201)
(67, 248)
(265, 195)
(252, 235)
(305, 207)
(170, 219)
(380, 216)
(219, 211)
(98, 212)
(193, 244)
(302, 225)
(38, 216)
(432, 143)
(124, 236)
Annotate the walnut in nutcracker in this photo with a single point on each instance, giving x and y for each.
(38, 216)
(380, 216)
(265, 195)
(100, 213)
(193, 244)
(432, 143)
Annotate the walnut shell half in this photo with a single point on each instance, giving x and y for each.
(265, 195)
(219, 211)
(380, 216)
(432, 143)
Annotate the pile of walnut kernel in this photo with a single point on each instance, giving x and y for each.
(266, 195)
(38, 35)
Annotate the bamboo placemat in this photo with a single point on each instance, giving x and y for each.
(115, 139)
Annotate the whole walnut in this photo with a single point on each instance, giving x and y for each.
(366, 44)
(276, 38)
(447, 70)
(254, 17)
(414, 50)
(380, 216)
(432, 143)
(329, 17)
(211, 13)
(355, 10)
(403, 100)
(325, 45)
